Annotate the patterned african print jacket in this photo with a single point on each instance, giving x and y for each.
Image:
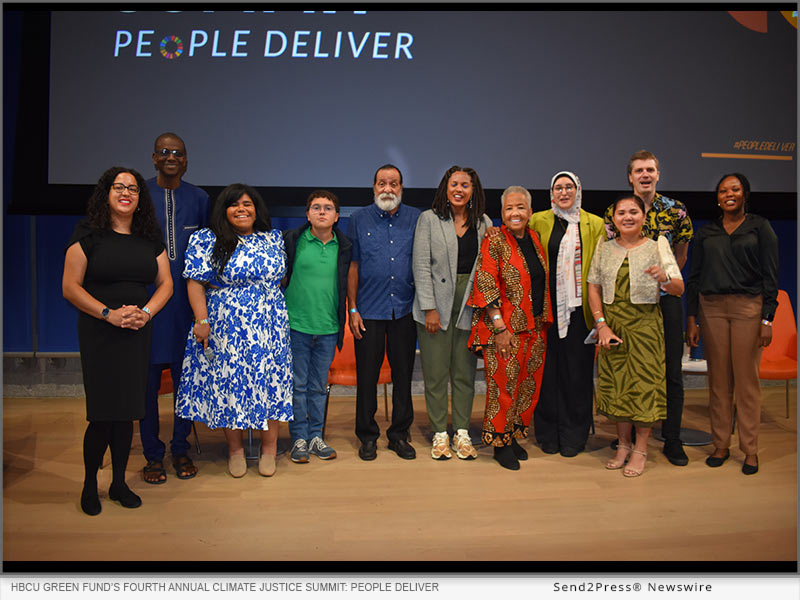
(502, 275)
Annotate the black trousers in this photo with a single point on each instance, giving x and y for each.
(672, 311)
(563, 415)
(398, 339)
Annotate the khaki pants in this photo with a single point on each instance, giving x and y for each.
(730, 325)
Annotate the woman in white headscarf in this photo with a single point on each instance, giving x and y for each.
(569, 236)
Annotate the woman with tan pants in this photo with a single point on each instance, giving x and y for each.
(732, 291)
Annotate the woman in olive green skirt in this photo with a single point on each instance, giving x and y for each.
(624, 285)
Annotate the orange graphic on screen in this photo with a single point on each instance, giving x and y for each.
(756, 20)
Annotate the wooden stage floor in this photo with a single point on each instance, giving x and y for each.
(553, 509)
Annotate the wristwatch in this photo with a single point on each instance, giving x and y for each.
(104, 313)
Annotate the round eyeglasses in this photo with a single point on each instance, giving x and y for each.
(326, 208)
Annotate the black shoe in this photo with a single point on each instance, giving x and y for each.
(403, 449)
(368, 450)
(90, 502)
(717, 461)
(750, 469)
(673, 450)
(518, 450)
(506, 457)
(549, 447)
(124, 495)
(570, 451)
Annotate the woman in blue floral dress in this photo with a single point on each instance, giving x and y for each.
(237, 368)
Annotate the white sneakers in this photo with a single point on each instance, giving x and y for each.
(441, 446)
(463, 445)
(440, 450)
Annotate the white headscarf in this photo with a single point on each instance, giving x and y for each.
(568, 262)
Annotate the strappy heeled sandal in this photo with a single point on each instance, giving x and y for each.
(628, 472)
(614, 463)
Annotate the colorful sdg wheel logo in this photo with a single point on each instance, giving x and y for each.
(171, 47)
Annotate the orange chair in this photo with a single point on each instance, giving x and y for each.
(779, 359)
(343, 372)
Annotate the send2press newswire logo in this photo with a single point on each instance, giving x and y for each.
(330, 35)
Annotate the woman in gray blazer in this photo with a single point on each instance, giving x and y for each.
(446, 245)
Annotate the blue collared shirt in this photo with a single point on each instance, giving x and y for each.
(382, 246)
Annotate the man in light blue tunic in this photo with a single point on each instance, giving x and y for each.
(181, 209)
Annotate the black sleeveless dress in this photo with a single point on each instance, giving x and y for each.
(115, 360)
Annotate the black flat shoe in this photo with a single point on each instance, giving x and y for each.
(549, 447)
(368, 450)
(518, 450)
(750, 469)
(403, 449)
(673, 450)
(717, 461)
(90, 502)
(124, 496)
(570, 451)
(506, 457)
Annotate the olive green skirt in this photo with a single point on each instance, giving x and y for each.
(631, 379)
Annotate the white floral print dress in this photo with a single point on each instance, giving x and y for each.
(249, 379)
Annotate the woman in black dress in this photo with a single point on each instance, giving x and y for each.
(111, 258)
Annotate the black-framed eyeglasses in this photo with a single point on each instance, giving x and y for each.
(165, 152)
(121, 187)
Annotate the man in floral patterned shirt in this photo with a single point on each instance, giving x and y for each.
(667, 217)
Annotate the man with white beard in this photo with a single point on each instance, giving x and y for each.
(380, 292)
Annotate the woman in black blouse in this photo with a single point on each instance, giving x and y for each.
(732, 292)
(445, 253)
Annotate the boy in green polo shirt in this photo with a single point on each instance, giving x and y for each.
(318, 259)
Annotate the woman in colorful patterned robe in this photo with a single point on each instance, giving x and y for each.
(512, 312)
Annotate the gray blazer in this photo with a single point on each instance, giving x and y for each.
(435, 261)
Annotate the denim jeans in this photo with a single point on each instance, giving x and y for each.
(311, 358)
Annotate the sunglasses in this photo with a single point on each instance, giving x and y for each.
(165, 152)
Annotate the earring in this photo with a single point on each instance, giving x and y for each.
(469, 204)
